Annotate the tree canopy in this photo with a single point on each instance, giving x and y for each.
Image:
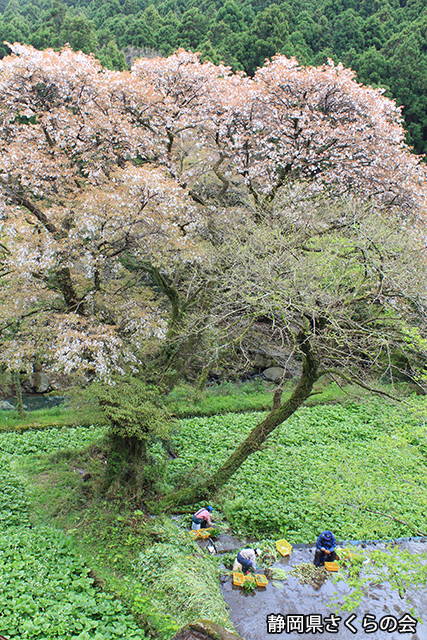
(111, 180)
(338, 286)
(384, 42)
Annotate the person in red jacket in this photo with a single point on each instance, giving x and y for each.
(202, 518)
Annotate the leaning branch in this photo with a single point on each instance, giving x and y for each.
(33, 312)
(220, 175)
(19, 198)
(355, 380)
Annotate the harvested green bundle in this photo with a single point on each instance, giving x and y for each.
(249, 587)
(279, 574)
(307, 573)
(268, 552)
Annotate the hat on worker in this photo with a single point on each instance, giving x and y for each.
(258, 552)
(210, 509)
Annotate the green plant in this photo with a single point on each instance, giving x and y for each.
(249, 586)
(397, 567)
(268, 552)
(175, 567)
(54, 595)
(307, 573)
(358, 469)
(279, 574)
(136, 416)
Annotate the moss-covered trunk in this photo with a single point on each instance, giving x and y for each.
(126, 460)
(255, 439)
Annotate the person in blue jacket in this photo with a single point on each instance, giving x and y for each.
(325, 549)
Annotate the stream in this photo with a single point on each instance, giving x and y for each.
(34, 402)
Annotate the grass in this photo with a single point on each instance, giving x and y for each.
(244, 397)
(59, 416)
(185, 401)
(179, 575)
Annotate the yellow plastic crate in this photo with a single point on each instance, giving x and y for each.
(331, 566)
(203, 534)
(238, 579)
(283, 547)
(261, 581)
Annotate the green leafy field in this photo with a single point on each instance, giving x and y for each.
(359, 470)
(49, 590)
(45, 589)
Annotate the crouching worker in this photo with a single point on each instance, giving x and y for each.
(247, 560)
(325, 549)
(202, 518)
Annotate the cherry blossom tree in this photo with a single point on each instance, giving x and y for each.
(81, 190)
(317, 124)
(219, 194)
(110, 182)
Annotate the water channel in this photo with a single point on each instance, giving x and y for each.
(289, 600)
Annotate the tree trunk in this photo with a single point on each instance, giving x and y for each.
(277, 399)
(18, 391)
(173, 295)
(201, 384)
(256, 437)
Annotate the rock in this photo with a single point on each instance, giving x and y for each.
(227, 544)
(275, 374)
(41, 382)
(6, 406)
(205, 630)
